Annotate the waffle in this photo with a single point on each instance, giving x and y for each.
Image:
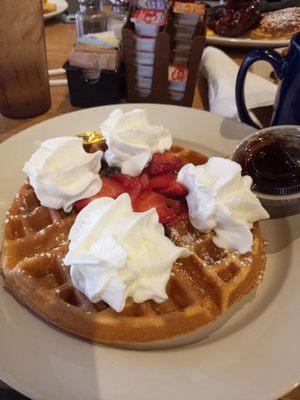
(201, 287)
(281, 24)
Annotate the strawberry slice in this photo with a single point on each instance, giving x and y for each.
(132, 186)
(121, 178)
(166, 215)
(124, 179)
(167, 209)
(167, 185)
(161, 181)
(144, 179)
(182, 215)
(175, 190)
(164, 163)
(110, 188)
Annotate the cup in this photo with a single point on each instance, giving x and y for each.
(287, 68)
(24, 82)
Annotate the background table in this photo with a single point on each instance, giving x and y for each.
(59, 40)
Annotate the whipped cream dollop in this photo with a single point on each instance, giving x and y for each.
(131, 140)
(116, 253)
(61, 172)
(220, 198)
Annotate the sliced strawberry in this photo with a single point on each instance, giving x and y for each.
(121, 178)
(161, 181)
(164, 163)
(144, 179)
(166, 215)
(80, 204)
(167, 185)
(182, 215)
(175, 190)
(167, 209)
(132, 186)
(148, 199)
(175, 205)
(110, 188)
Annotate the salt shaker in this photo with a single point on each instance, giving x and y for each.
(118, 17)
(90, 17)
(24, 82)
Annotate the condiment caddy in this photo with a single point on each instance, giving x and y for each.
(162, 50)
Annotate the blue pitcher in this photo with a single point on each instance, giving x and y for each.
(287, 102)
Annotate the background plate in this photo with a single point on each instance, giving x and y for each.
(254, 355)
(245, 42)
(62, 5)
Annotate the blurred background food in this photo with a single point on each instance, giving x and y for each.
(48, 7)
(277, 19)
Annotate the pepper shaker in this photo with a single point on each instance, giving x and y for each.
(90, 18)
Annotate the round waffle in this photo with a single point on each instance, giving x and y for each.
(281, 24)
(201, 288)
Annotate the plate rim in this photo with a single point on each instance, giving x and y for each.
(69, 115)
(246, 42)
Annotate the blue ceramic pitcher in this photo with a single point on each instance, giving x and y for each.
(287, 102)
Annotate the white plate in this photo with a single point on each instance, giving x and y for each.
(245, 42)
(255, 355)
(61, 6)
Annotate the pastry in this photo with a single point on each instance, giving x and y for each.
(234, 19)
(280, 24)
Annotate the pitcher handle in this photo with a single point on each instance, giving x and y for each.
(272, 57)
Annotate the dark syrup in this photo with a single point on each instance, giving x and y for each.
(273, 163)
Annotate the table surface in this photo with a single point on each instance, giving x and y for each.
(59, 40)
